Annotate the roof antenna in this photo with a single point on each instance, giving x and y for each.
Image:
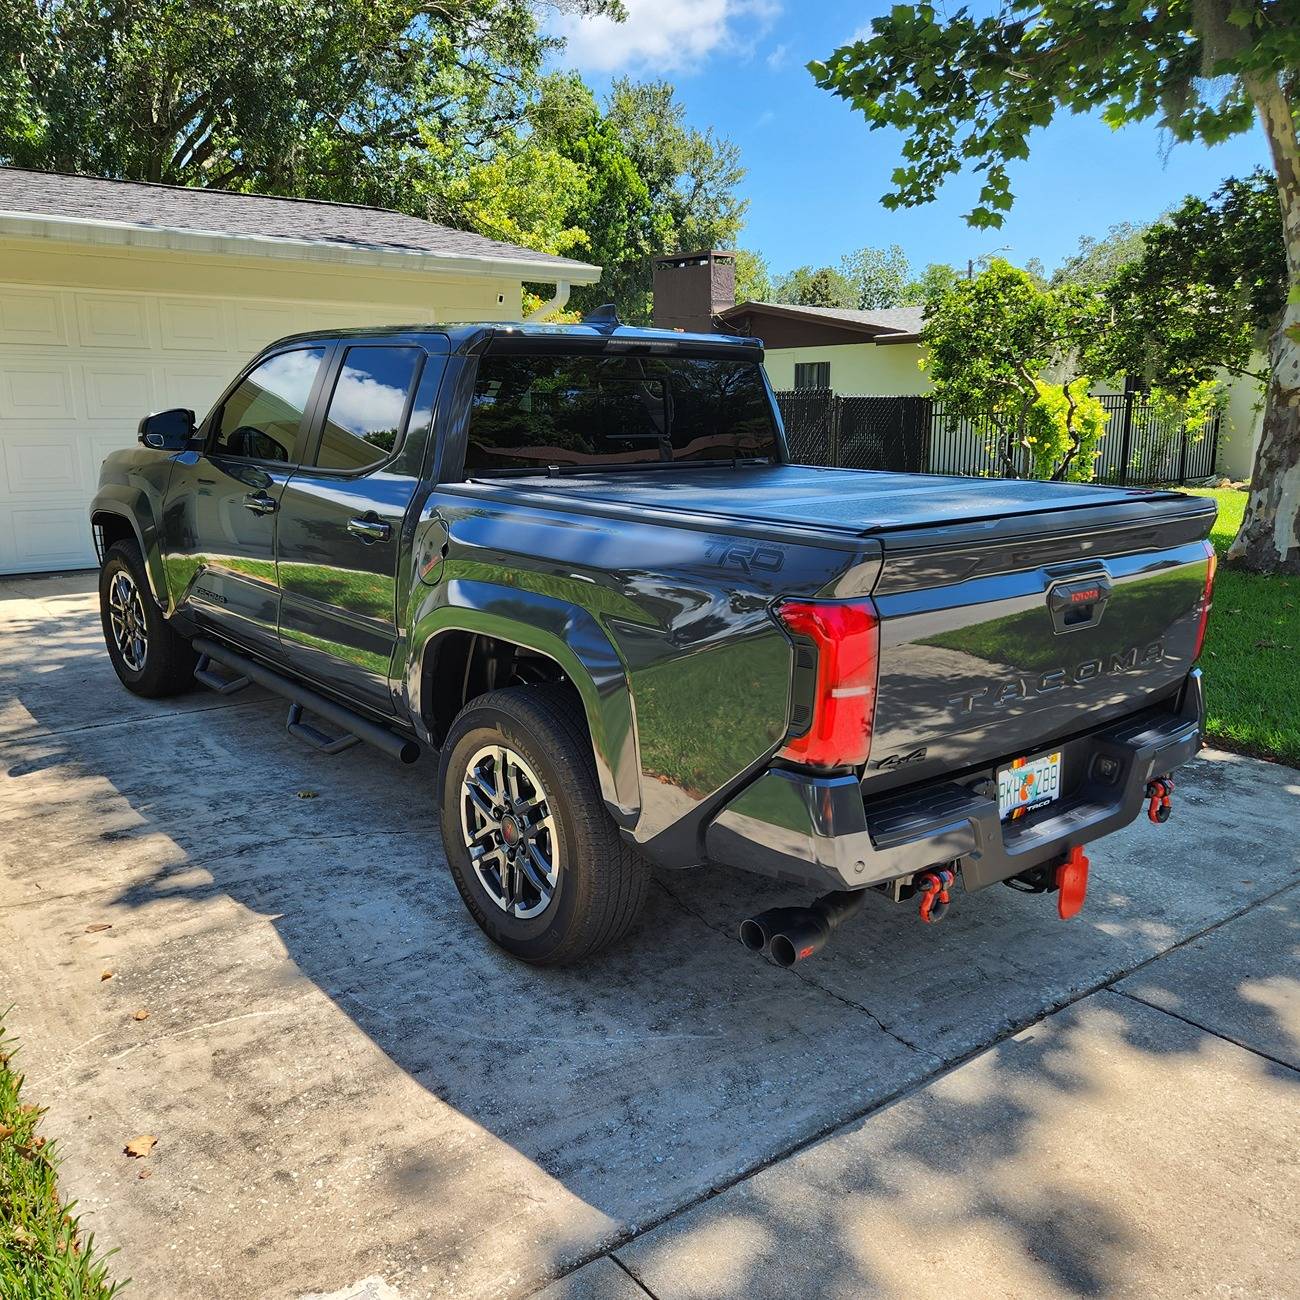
(603, 318)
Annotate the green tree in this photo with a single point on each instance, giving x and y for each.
(753, 277)
(1097, 261)
(823, 286)
(377, 101)
(1004, 350)
(684, 197)
(937, 279)
(1204, 291)
(880, 276)
(967, 90)
(614, 185)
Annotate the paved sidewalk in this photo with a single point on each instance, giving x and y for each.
(355, 1095)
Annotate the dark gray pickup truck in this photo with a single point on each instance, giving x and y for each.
(577, 562)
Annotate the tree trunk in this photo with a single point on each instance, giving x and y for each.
(1269, 541)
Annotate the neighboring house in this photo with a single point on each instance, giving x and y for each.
(836, 347)
(117, 299)
(859, 352)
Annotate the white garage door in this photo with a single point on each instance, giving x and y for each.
(77, 371)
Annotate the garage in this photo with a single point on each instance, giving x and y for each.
(118, 298)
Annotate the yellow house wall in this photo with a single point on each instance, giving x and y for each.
(889, 370)
(92, 338)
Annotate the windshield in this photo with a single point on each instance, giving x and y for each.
(530, 412)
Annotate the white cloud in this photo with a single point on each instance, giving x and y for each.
(362, 403)
(664, 35)
(777, 57)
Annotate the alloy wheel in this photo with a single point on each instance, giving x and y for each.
(509, 830)
(126, 617)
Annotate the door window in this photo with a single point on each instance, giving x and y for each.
(260, 419)
(367, 411)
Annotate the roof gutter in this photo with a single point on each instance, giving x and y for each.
(555, 303)
(84, 230)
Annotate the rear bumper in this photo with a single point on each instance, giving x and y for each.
(818, 831)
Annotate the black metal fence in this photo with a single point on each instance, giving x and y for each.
(916, 435)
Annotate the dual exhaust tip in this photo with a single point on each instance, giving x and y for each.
(791, 934)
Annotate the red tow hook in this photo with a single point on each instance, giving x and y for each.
(1159, 792)
(1072, 883)
(933, 888)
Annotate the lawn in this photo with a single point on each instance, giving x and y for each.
(42, 1255)
(1252, 669)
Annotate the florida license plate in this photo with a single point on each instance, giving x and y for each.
(1027, 784)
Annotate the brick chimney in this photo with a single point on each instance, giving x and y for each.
(691, 288)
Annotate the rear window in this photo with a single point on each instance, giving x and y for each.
(588, 411)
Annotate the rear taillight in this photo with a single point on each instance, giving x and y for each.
(846, 636)
(1207, 597)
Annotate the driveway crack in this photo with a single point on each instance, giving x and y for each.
(802, 976)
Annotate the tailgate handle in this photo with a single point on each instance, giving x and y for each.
(1078, 603)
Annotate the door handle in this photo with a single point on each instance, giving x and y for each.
(370, 530)
(259, 503)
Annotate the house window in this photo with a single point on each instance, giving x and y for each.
(812, 374)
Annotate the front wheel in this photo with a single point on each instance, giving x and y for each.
(533, 850)
(149, 656)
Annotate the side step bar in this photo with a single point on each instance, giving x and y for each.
(402, 748)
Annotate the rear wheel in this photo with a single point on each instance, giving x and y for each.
(536, 857)
(148, 655)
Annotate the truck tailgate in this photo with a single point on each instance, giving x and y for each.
(993, 645)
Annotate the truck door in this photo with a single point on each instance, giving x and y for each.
(340, 540)
(219, 520)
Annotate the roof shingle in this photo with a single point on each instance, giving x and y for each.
(174, 207)
(887, 320)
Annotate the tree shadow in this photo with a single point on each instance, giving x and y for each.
(321, 1001)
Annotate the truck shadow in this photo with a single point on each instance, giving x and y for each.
(306, 900)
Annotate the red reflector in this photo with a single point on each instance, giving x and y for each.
(847, 637)
(1072, 881)
(1207, 597)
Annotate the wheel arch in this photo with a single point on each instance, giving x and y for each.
(120, 513)
(485, 618)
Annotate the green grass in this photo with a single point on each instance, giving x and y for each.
(1252, 651)
(703, 718)
(42, 1255)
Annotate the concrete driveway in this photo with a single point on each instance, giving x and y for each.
(354, 1094)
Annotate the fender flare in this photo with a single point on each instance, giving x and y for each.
(135, 507)
(568, 635)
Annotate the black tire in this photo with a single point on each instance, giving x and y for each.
(601, 880)
(165, 658)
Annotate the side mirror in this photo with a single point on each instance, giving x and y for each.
(167, 430)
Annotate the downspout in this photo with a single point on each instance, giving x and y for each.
(555, 303)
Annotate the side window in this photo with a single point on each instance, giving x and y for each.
(260, 419)
(364, 421)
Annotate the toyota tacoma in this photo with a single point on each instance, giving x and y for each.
(577, 563)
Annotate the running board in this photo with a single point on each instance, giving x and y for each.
(318, 740)
(352, 725)
(215, 681)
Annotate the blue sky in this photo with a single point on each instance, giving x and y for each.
(816, 173)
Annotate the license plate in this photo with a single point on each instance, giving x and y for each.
(1027, 784)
